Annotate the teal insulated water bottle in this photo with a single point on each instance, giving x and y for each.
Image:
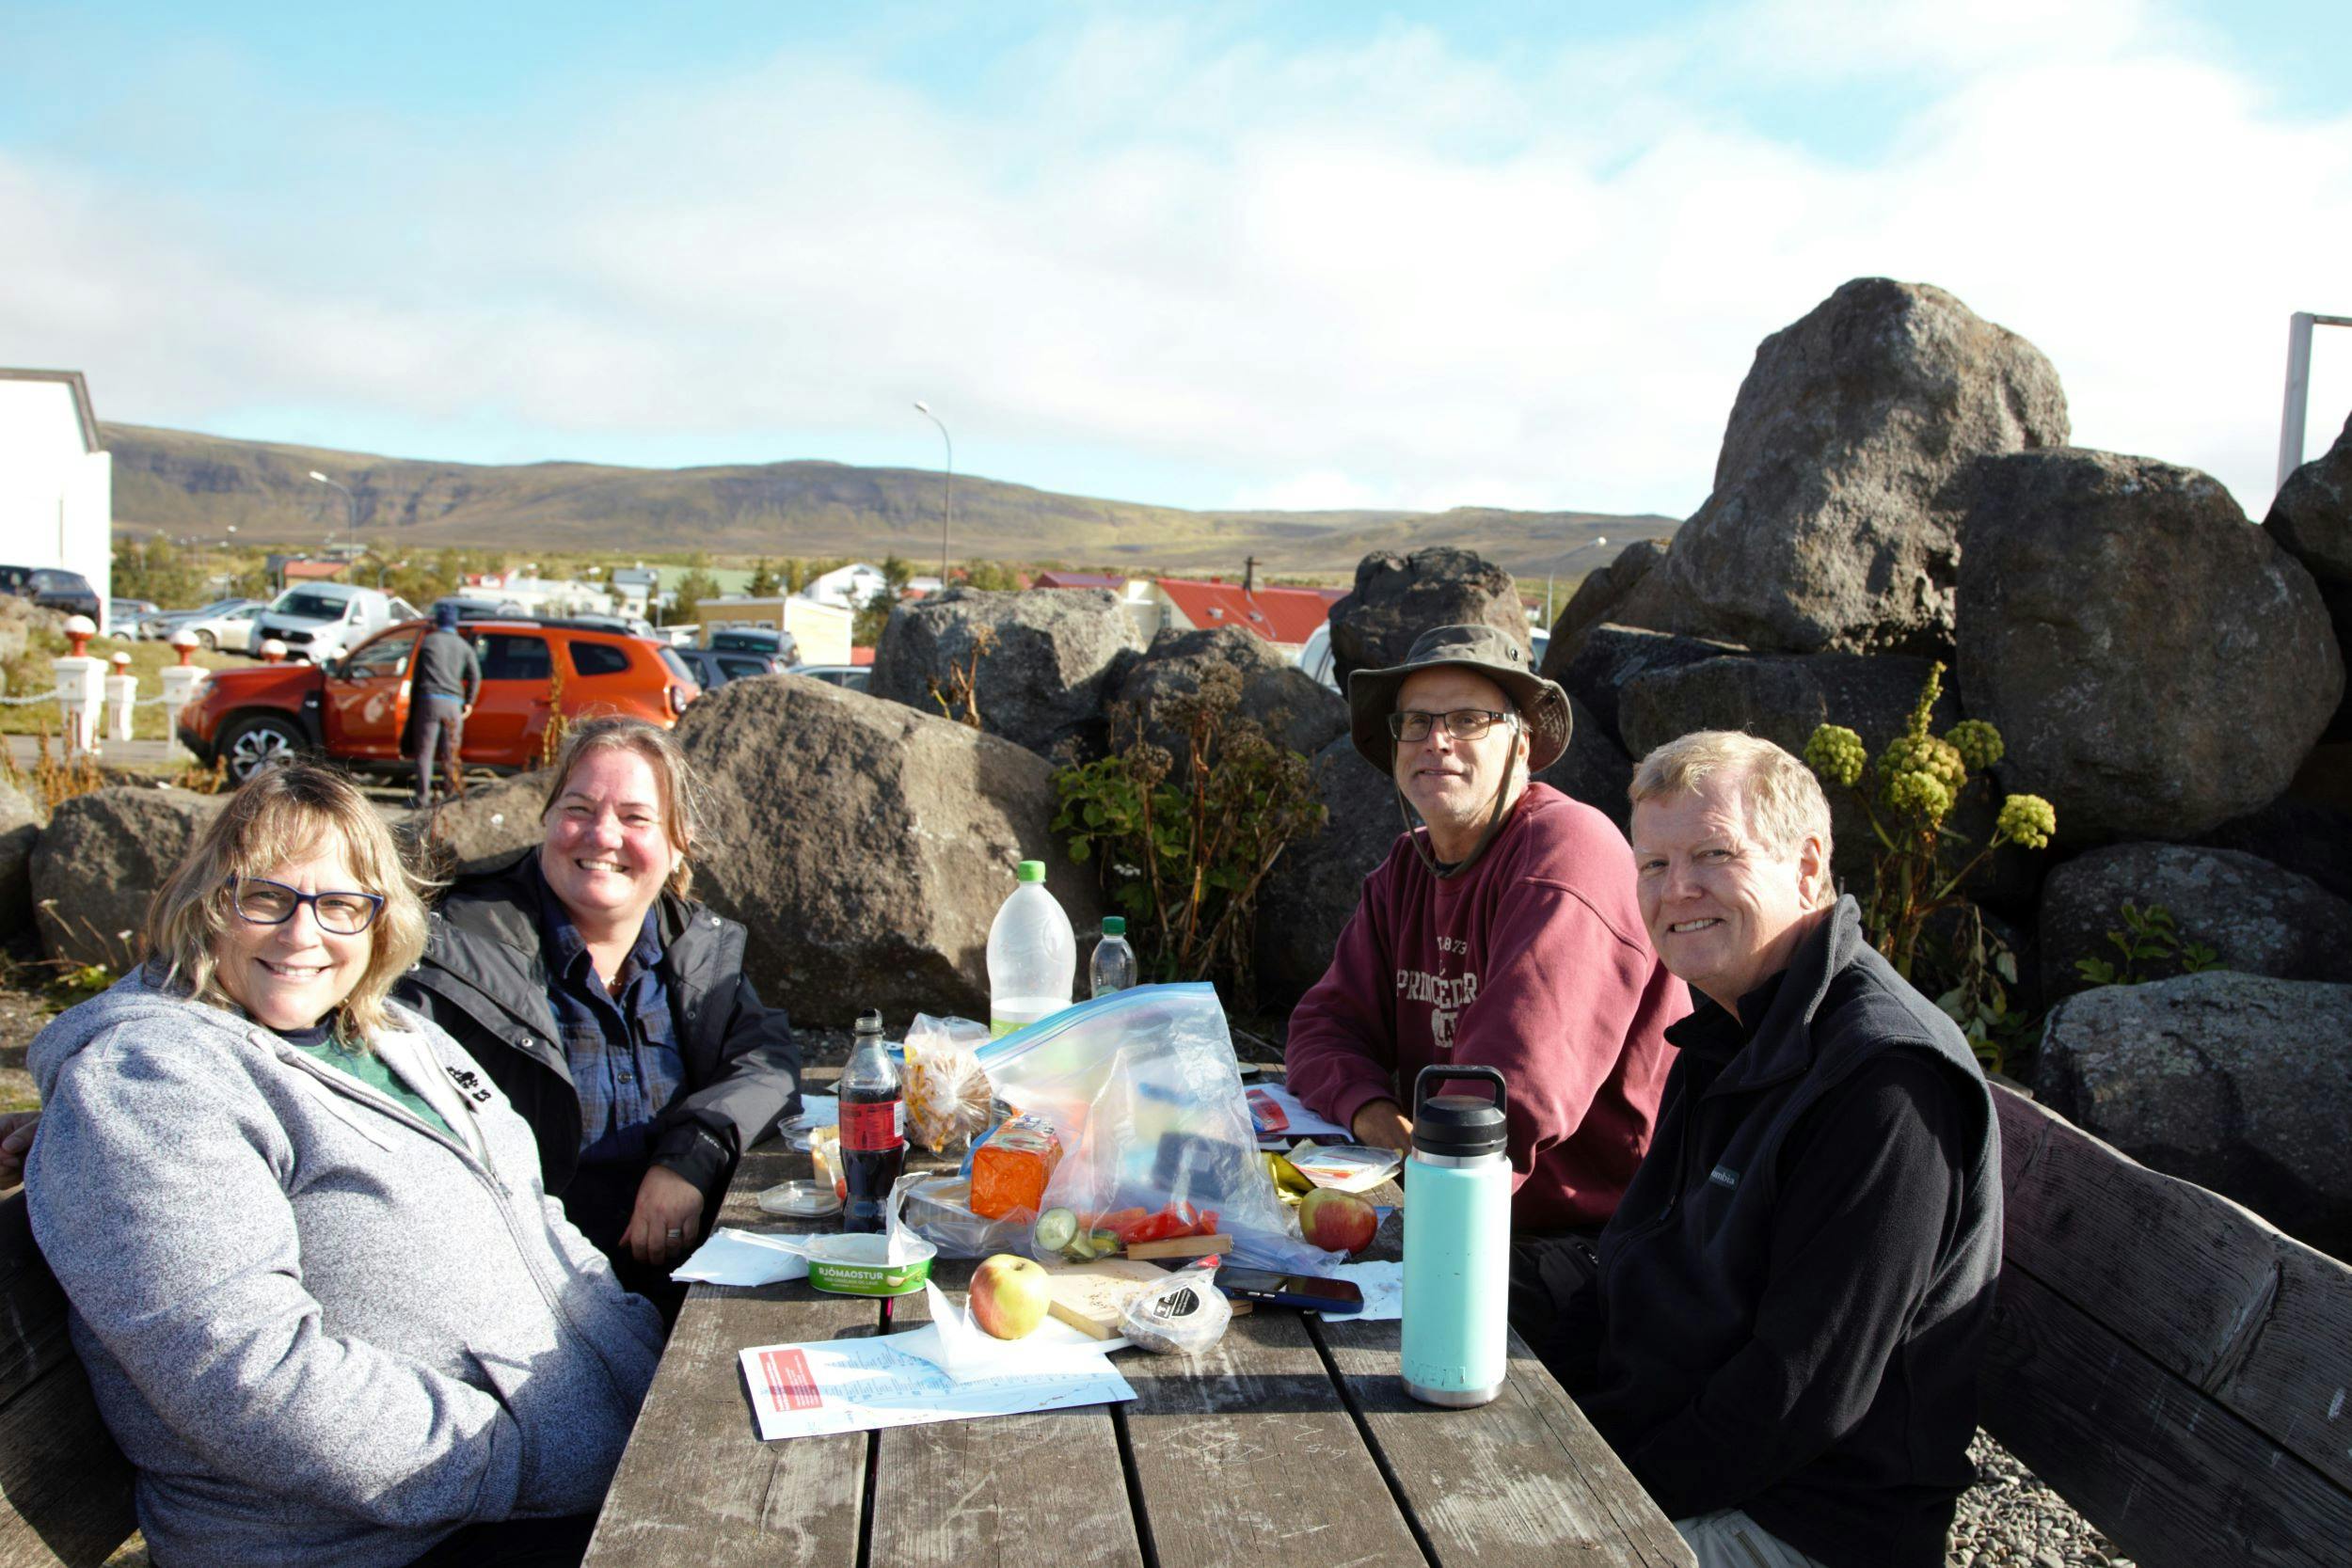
(1457, 1242)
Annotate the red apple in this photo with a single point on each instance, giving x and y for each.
(1336, 1221)
(1008, 1296)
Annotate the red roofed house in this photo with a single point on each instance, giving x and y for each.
(1285, 617)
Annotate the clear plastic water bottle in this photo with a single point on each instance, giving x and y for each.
(1114, 964)
(1032, 955)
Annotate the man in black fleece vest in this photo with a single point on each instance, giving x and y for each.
(1782, 1334)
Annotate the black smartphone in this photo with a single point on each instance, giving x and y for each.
(1311, 1291)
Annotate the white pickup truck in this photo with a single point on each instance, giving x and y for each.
(323, 621)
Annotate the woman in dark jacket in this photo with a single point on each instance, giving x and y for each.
(609, 1009)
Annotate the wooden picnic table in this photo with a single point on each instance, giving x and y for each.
(1291, 1442)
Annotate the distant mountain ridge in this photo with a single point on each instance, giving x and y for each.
(184, 483)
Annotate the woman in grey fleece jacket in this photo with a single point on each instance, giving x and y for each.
(327, 1309)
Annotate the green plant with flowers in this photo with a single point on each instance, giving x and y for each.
(1908, 797)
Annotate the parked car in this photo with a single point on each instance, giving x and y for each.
(230, 632)
(124, 615)
(715, 667)
(478, 610)
(52, 589)
(850, 675)
(320, 620)
(756, 639)
(354, 709)
(163, 623)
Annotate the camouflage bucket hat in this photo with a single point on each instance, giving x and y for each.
(1486, 650)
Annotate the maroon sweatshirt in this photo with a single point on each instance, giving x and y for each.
(1534, 962)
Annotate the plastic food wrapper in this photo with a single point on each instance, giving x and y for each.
(1142, 1088)
(939, 1209)
(1185, 1317)
(946, 1088)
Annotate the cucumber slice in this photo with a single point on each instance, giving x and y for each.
(1078, 1252)
(1105, 1242)
(1054, 1229)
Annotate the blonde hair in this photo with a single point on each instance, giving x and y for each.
(284, 813)
(681, 788)
(1779, 796)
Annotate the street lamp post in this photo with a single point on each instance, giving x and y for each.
(947, 489)
(351, 506)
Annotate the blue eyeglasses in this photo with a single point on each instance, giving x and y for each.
(267, 903)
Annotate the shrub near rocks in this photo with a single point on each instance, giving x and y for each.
(2256, 918)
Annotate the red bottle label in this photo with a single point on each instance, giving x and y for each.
(871, 1127)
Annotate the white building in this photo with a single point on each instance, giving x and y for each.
(852, 587)
(547, 596)
(57, 484)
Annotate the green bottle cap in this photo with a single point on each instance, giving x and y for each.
(1031, 871)
(1114, 925)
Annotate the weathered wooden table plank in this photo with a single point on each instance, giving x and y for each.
(1524, 1480)
(1248, 1454)
(697, 1486)
(1046, 1485)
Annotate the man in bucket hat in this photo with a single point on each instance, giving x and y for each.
(1502, 932)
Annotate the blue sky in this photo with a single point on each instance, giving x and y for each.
(1215, 255)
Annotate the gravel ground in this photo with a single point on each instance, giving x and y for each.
(2009, 1519)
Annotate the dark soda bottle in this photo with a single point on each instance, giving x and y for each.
(873, 1128)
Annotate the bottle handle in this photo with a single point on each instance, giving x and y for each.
(1444, 1072)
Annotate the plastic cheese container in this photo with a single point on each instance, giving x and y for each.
(1010, 1170)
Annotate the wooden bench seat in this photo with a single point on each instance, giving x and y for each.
(2173, 1366)
(65, 1488)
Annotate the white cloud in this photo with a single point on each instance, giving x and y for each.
(1385, 275)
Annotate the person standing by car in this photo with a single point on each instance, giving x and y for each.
(442, 691)
(609, 1009)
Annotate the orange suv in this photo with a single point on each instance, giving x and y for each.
(355, 708)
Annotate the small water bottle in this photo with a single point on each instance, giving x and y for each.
(1032, 955)
(1457, 1242)
(1114, 964)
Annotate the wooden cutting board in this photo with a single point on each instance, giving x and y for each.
(1087, 1296)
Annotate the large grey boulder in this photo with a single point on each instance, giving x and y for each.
(867, 846)
(2257, 917)
(2310, 839)
(1596, 601)
(20, 829)
(2156, 663)
(1833, 525)
(1053, 658)
(99, 863)
(1293, 708)
(1397, 598)
(1594, 769)
(2239, 1082)
(487, 824)
(1316, 884)
(1611, 655)
(2310, 519)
